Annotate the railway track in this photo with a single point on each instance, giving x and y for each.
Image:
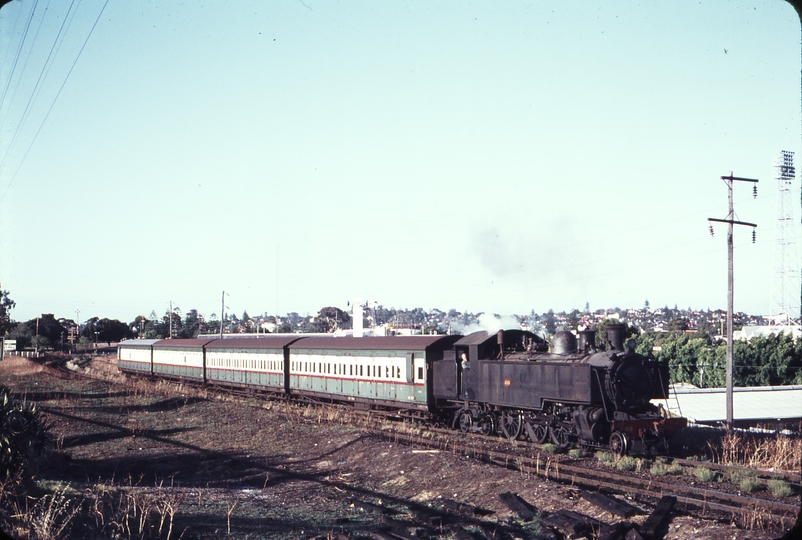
(529, 458)
(704, 501)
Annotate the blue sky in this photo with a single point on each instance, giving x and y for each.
(497, 157)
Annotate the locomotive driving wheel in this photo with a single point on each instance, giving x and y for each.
(538, 433)
(619, 443)
(465, 421)
(560, 435)
(487, 424)
(511, 424)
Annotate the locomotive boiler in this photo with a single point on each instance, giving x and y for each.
(574, 393)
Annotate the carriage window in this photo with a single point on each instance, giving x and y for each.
(420, 373)
(387, 372)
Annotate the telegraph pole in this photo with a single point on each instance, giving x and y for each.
(222, 312)
(730, 221)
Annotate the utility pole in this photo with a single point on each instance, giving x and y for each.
(730, 221)
(36, 346)
(222, 312)
(171, 320)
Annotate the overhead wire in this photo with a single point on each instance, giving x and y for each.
(53, 103)
(37, 86)
(28, 56)
(18, 51)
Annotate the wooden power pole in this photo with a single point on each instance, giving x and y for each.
(730, 221)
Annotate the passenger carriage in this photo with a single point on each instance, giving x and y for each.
(249, 362)
(374, 372)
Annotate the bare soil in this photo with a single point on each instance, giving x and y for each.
(248, 468)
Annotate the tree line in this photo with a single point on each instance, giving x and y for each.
(772, 360)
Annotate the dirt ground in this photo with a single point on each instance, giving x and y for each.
(249, 469)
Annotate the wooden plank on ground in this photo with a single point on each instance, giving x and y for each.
(515, 503)
(633, 534)
(658, 518)
(616, 531)
(567, 523)
(574, 524)
(611, 504)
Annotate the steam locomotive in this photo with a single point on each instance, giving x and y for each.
(574, 393)
(506, 382)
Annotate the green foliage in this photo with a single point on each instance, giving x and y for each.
(549, 448)
(748, 484)
(6, 305)
(24, 436)
(703, 474)
(604, 457)
(779, 487)
(576, 453)
(764, 361)
(50, 333)
(663, 469)
(628, 463)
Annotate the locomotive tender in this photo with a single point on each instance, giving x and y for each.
(503, 382)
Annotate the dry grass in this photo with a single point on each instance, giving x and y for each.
(780, 453)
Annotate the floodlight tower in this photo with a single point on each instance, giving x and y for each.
(785, 302)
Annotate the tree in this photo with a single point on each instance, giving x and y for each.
(112, 330)
(6, 305)
(50, 333)
(646, 304)
(192, 324)
(331, 318)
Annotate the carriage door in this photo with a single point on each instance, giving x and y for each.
(419, 376)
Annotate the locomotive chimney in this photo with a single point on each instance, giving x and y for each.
(563, 342)
(615, 337)
(587, 341)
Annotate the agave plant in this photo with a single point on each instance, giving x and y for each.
(24, 435)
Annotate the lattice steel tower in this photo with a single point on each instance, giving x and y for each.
(785, 287)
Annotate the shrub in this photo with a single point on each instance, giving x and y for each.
(663, 468)
(576, 453)
(628, 463)
(24, 436)
(703, 474)
(604, 457)
(549, 448)
(748, 484)
(779, 487)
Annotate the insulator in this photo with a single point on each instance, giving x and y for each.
(754, 235)
(754, 191)
(711, 231)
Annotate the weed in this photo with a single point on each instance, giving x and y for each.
(628, 463)
(576, 453)
(748, 484)
(51, 515)
(779, 487)
(549, 448)
(604, 457)
(703, 474)
(658, 469)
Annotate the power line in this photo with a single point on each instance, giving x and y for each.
(54, 102)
